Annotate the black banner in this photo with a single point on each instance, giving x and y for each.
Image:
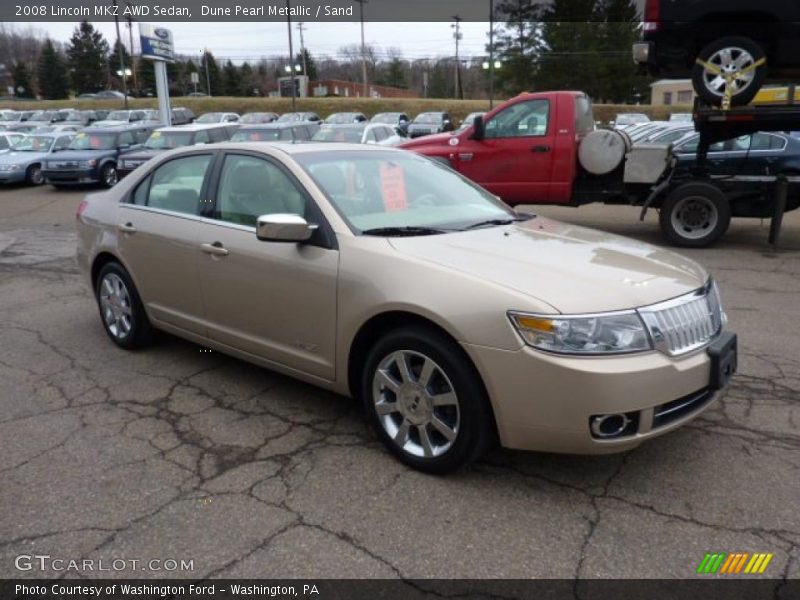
(731, 588)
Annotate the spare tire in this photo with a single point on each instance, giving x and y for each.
(603, 150)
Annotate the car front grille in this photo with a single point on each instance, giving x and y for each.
(677, 409)
(63, 165)
(686, 323)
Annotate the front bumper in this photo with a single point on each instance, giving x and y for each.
(71, 176)
(546, 402)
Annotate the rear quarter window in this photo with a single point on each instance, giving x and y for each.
(584, 115)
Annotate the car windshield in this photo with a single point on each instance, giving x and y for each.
(341, 118)
(390, 118)
(257, 135)
(117, 115)
(352, 135)
(379, 190)
(10, 116)
(160, 140)
(93, 141)
(42, 115)
(429, 118)
(210, 118)
(33, 144)
(256, 118)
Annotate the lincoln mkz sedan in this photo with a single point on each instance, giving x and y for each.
(382, 275)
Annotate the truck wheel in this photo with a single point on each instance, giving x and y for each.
(695, 215)
(735, 56)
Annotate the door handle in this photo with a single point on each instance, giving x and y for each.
(126, 227)
(540, 149)
(217, 249)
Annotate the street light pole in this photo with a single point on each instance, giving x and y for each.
(121, 57)
(133, 56)
(491, 54)
(291, 56)
(363, 48)
(457, 36)
(300, 27)
(208, 76)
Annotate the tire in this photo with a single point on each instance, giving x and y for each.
(695, 215)
(121, 309)
(457, 431)
(34, 175)
(724, 53)
(108, 175)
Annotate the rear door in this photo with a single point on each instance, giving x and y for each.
(157, 232)
(515, 158)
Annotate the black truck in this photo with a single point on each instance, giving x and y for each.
(729, 48)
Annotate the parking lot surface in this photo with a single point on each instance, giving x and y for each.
(179, 453)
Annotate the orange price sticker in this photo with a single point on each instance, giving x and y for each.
(393, 186)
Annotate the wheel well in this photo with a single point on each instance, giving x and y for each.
(100, 261)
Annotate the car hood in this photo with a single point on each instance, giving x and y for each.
(106, 123)
(429, 140)
(574, 269)
(72, 155)
(141, 154)
(14, 158)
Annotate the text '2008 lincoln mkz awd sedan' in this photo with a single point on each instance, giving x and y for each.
(380, 274)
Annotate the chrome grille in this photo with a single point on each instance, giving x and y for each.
(685, 323)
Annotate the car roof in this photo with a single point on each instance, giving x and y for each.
(114, 129)
(301, 148)
(273, 125)
(191, 127)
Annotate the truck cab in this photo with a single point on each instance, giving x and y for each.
(524, 151)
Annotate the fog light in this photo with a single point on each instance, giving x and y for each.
(614, 425)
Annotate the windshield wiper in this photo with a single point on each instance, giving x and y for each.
(491, 222)
(405, 230)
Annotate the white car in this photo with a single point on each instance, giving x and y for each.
(361, 133)
(217, 117)
(8, 139)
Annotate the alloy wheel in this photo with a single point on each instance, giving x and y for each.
(416, 403)
(731, 61)
(115, 303)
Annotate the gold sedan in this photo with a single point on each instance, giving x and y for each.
(380, 274)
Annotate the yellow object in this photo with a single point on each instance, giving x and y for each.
(536, 323)
(776, 95)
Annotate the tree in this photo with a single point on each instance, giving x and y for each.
(86, 56)
(310, 63)
(517, 45)
(52, 74)
(145, 77)
(233, 83)
(246, 80)
(114, 63)
(22, 80)
(210, 71)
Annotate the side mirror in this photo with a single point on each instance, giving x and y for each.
(284, 228)
(478, 129)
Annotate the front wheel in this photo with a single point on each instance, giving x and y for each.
(735, 65)
(695, 215)
(426, 401)
(34, 175)
(108, 175)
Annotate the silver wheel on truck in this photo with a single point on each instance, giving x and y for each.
(733, 65)
(695, 215)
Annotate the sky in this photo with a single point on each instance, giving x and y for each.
(251, 41)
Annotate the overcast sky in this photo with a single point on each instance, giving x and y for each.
(251, 41)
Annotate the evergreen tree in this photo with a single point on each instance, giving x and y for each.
(395, 75)
(52, 74)
(86, 57)
(233, 83)
(210, 71)
(311, 64)
(22, 80)
(114, 64)
(145, 77)
(517, 45)
(246, 80)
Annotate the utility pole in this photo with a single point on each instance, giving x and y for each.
(491, 54)
(291, 56)
(121, 57)
(300, 27)
(363, 48)
(133, 56)
(457, 36)
(208, 76)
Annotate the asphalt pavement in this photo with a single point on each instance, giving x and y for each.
(173, 453)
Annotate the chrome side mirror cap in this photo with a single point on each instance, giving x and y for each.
(284, 228)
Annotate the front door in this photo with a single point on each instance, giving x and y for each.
(273, 300)
(514, 160)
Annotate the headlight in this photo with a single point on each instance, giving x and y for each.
(10, 167)
(615, 333)
(88, 164)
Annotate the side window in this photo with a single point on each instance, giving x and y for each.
(584, 117)
(371, 136)
(3, 142)
(219, 135)
(201, 137)
(761, 141)
(137, 115)
(524, 119)
(125, 139)
(139, 195)
(176, 185)
(141, 136)
(776, 142)
(285, 134)
(61, 143)
(381, 133)
(301, 133)
(250, 187)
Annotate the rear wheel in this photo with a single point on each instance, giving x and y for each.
(731, 63)
(695, 215)
(426, 401)
(34, 175)
(121, 310)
